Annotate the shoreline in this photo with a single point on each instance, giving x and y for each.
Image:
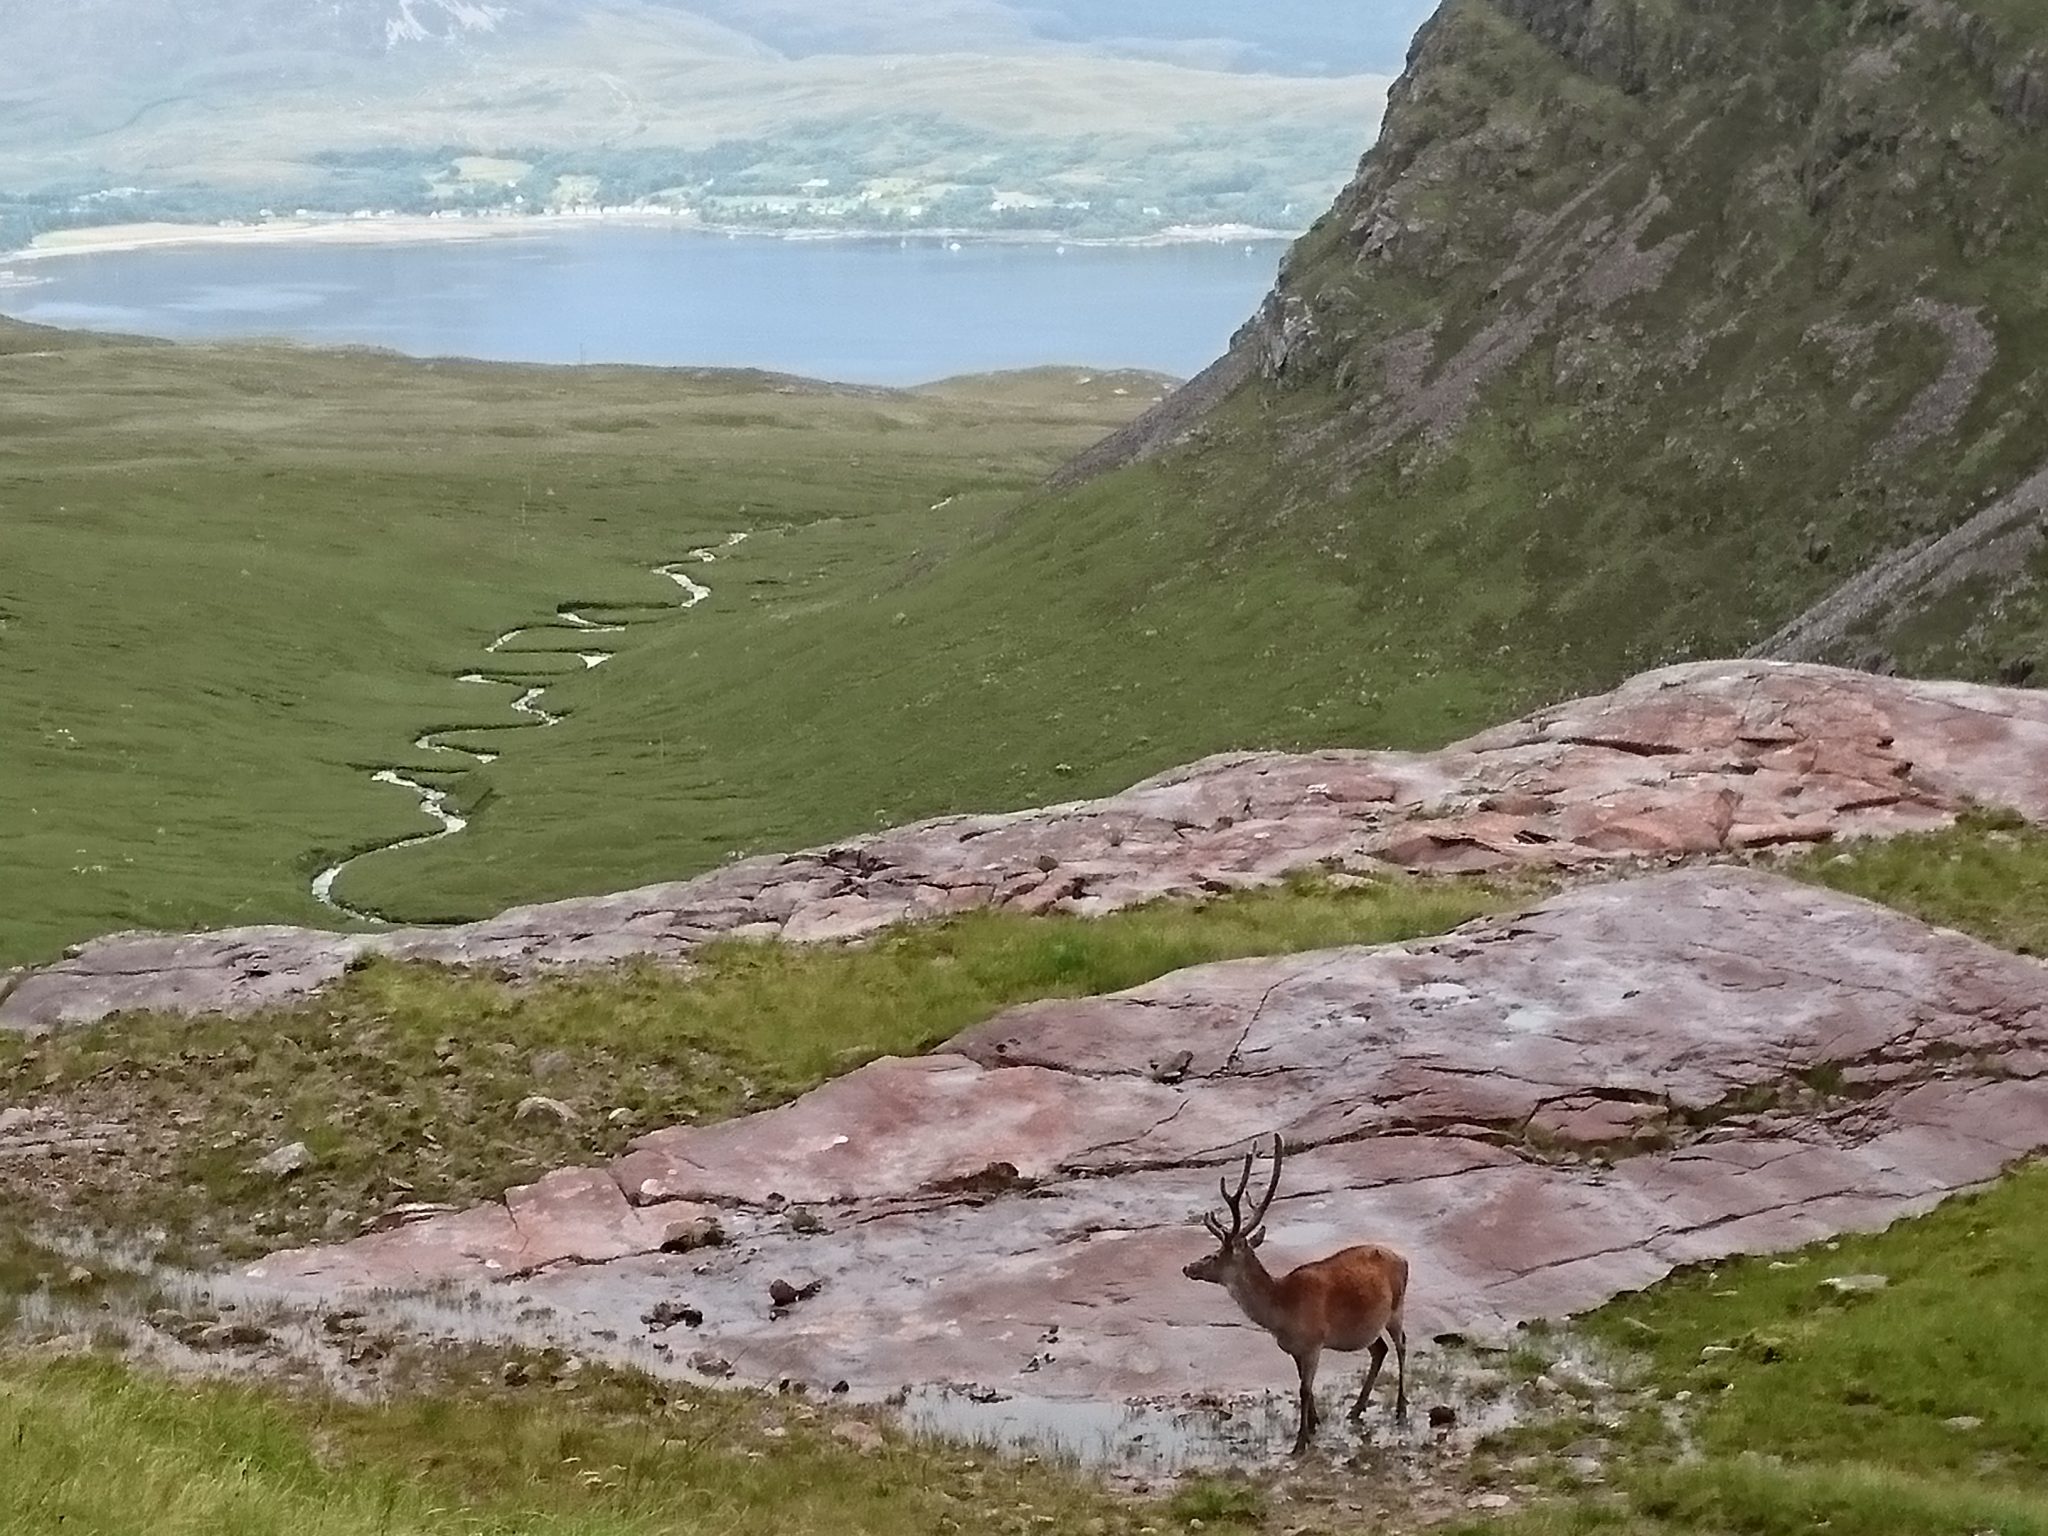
(404, 229)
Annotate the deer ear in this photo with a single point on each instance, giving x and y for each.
(1256, 1238)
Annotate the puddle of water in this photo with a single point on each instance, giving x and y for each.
(1176, 1436)
(1156, 1439)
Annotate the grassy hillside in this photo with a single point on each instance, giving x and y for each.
(1633, 340)
(236, 581)
(1648, 325)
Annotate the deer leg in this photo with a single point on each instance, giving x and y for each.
(1379, 1358)
(1305, 1366)
(1400, 1334)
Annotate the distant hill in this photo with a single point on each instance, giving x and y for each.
(1091, 119)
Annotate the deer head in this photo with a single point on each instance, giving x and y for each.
(1234, 1257)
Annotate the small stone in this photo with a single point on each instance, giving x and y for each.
(78, 1277)
(1174, 1068)
(515, 1374)
(783, 1294)
(684, 1236)
(619, 1117)
(860, 1435)
(285, 1162)
(1571, 1374)
(666, 1314)
(229, 1336)
(1855, 1285)
(1488, 1501)
(535, 1107)
(1716, 1351)
(1442, 1416)
(548, 1065)
(15, 1119)
(1963, 1422)
(709, 1364)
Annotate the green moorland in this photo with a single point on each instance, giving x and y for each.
(1820, 345)
(234, 582)
(1750, 1401)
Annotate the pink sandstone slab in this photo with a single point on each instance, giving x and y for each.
(1542, 1110)
(1698, 760)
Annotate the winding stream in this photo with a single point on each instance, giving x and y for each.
(434, 802)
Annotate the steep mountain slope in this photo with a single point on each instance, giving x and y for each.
(1649, 324)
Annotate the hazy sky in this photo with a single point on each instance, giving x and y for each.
(1307, 36)
(1283, 36)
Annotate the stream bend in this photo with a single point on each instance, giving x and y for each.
(433, 802)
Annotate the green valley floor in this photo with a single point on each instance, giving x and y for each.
(240, 582)
(237, 582)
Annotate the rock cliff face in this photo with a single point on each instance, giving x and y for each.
(1650, 325)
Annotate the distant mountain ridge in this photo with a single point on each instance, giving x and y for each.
(912, 113)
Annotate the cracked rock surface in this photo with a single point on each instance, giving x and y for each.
(1542, 1110)
(1700, 759)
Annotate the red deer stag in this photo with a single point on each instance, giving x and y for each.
(1350, 1301)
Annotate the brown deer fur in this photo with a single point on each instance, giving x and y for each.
(1348, 1302)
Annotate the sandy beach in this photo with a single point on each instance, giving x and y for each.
(405, 228)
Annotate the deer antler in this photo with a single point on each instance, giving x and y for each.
(1233, 1202)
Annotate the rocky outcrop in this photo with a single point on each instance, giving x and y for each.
(1996, 546)
(1169, 423)
(1542, 1110)
(1694, 761)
